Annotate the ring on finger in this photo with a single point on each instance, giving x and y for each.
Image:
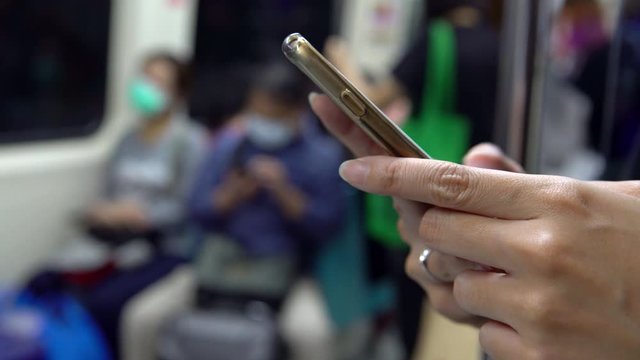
(424, 261)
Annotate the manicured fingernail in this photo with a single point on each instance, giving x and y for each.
(354, 172)
(312, 95)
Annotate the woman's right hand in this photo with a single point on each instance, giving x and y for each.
(99, 214)
(118, 215)
(445, 267)
(236, 189)
(568, 248)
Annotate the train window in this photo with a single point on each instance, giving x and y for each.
(232, 36)
(244, 30)
(53, 68)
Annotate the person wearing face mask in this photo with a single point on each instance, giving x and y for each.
(152, 167)
(267, 196)
(144, 202)
(272, 188)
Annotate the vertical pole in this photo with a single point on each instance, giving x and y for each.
(613, 75)
(512, 88)
(539, 81)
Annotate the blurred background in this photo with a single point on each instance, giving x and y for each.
(166, 193)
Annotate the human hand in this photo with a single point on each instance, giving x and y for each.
(271, 173)
(446, 267)
(411, 212)
(236, 189)
(130, 215)
(559, 297)
(443, 267)
(343, 128)
(568, 249)
(337, 52)
(100, 214)
(398, 110)
(120, 214)
(268, 171)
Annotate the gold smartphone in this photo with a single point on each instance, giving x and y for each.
(351, 100)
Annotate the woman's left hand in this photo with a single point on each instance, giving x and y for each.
(444, 268)
(131, 216)
(569, 251)
(268, 171)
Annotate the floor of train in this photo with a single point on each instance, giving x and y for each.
(445, 340)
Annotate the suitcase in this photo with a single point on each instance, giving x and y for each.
(221, 334)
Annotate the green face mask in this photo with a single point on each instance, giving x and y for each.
(147, 98)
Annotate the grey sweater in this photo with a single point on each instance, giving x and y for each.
(157, 176)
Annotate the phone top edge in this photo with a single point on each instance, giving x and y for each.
(290, 43)
(296, 48)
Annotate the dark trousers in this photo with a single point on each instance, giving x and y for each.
(106, 300)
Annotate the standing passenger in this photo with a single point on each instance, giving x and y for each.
(473, 86)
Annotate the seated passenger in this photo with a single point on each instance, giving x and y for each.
(149, 174)
(266, 195)
(147, 183)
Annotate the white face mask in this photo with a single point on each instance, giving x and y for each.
(268, 134)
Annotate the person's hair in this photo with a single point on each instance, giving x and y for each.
(440, 8)
(495, 13)
(180, 68)
(579, 10)
(632, 9)
(283, 82)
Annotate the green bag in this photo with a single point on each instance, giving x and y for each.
(437, 128)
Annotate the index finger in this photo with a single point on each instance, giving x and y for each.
(479, 191)
(343, 128)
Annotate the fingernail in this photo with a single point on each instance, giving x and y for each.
(312, 95)
(486, 149)
(354, 172)
(489, 149)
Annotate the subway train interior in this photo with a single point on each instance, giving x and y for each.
(167, 192)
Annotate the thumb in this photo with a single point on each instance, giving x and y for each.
(489, 156)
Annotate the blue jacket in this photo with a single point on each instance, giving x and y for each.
(259, 226)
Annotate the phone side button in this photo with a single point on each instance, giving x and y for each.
(353, 103)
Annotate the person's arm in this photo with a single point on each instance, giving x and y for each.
(292, 201)
(104, 211)
(170, 208)
(324, 212)
(208, 178)
(316, 209)
(272, 174)
(219, 188)
(325, 208)
(236, 189)
(109, 185)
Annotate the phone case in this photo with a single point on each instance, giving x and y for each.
(352, 102)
